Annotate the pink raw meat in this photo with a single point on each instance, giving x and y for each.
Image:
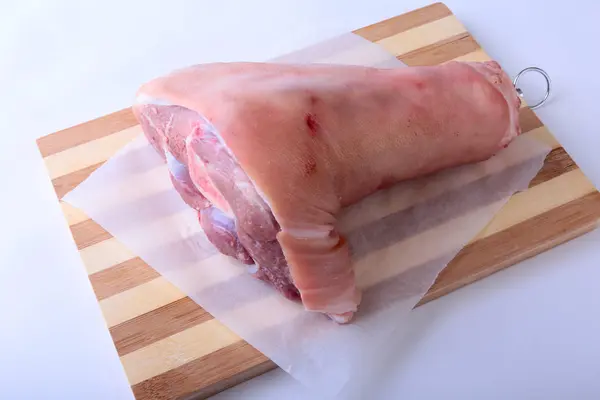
(166, 128)
(281, 149)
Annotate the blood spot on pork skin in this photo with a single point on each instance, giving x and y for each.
(312, 124)
(309, 167)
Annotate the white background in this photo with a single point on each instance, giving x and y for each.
(530, 332)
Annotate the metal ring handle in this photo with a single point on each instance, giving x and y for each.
(546, 77)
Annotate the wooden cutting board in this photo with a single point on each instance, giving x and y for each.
(170, 347)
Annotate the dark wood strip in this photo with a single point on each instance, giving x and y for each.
(157, 324)
(207, 375)
(64, 184)
(442, 51)
(87, 233)
(528, 120)
(86, 132)
(557, 162)
(121, 277)
(404, 22)
(517, 243)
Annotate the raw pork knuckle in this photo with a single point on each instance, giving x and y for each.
(270, 153)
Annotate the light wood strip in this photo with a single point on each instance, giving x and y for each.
(422, 36)
(139, 300)
(88, 154)
(538, 200)
(105, 254)
(177, 350)
(237, 363)
(121, 277)
(157, 324)
(86, 132)
(404, 22)
(476, 56)
(73, 215)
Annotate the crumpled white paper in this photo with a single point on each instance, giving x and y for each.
(400, 238)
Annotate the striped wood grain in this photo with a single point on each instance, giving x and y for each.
(171, 348)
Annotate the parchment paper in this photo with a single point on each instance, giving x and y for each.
(400, 238)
